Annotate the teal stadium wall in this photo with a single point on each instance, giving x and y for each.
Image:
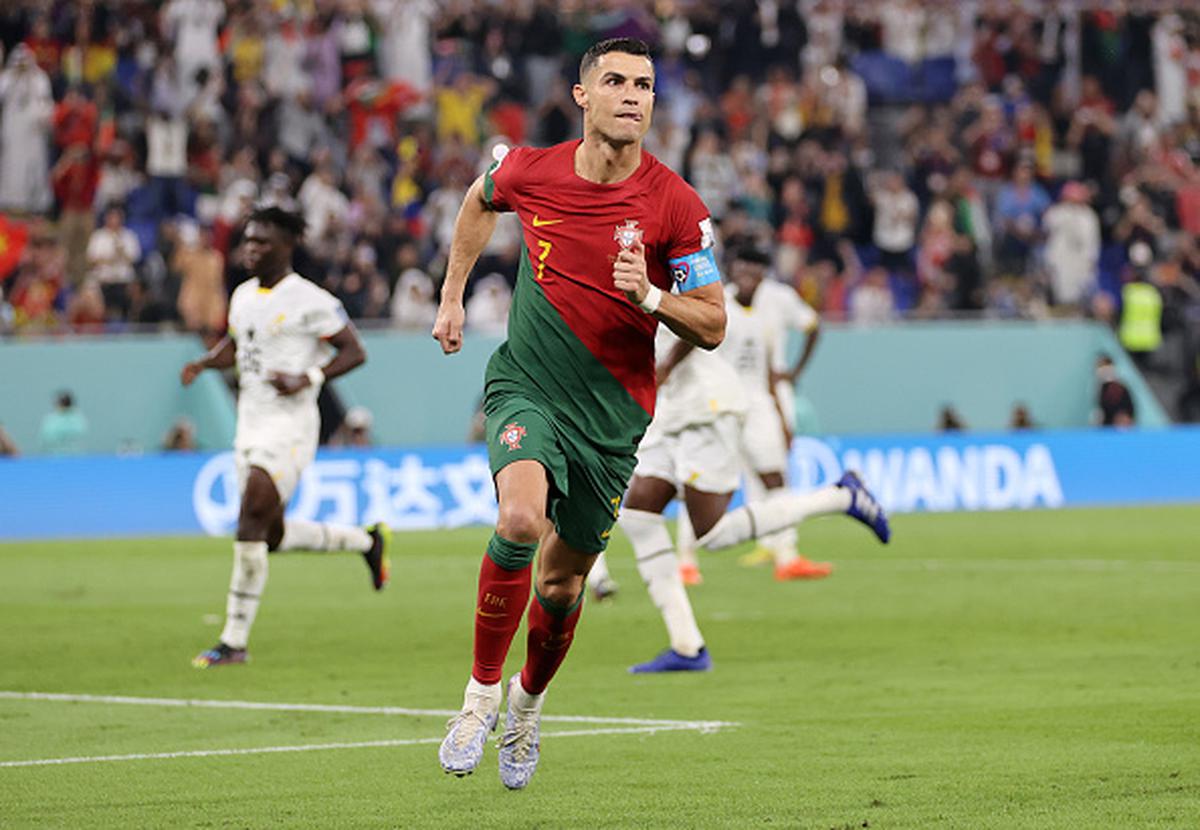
(883, 379)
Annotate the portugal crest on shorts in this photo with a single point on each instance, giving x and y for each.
(628, 235)
(511, 436)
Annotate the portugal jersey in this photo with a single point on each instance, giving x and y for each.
(575, 342)
(280, 329)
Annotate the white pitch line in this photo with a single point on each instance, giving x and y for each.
(1027, 565)
(343, 709)
(209, 753)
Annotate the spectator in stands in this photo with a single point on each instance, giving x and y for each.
(112, 252)
(8, 447)
(1019, 209)
(1140, 329)
(949, 420)
(76, 177)
(181, 437)
(28, 106)
(324, 204)
(355, 430)
(872, 301)
(487, 309)
(1114, 401)
(403, 45)
(85, 309)
(1020, 418)
(75, 120)
(202, 303)
(166, 162)
(1092, 129)
(118, 176)
(192, 26)
(64, 429)
(896, 213)
(413, 303)
(1072, 246)
(258, 96)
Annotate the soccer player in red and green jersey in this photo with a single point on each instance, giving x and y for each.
(614, 243)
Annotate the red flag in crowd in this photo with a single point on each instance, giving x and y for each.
(13, 236)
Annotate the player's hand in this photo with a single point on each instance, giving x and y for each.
(287, 384)
(190, 372)
(629, 272)
(448, 328)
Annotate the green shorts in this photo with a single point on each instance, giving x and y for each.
(586, 485)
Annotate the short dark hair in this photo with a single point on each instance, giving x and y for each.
(290, 222)
(628, 45)
(748, 250)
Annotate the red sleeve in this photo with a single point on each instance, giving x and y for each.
(503, 181)
(691, 226)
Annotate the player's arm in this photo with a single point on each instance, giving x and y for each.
(810, 345)
(472, 230)
(697, 316)
(220, 356)
(674, 357)
(350, 355)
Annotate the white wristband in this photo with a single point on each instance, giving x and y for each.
(652, 300)
(315, 376)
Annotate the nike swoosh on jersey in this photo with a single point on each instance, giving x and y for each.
(541, 223)
(483, 613)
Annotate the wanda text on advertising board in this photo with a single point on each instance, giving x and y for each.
(426, 488)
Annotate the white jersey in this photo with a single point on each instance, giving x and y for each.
(700, 388)
(280, 329)
(756, 336)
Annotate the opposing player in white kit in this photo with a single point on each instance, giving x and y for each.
(761, 316)
(283, 330)
(695, 443)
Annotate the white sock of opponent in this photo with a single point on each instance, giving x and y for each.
(599, 572)
(299, 534)
(774, 514)
(659, 567)
(782, 545)
(245, 590)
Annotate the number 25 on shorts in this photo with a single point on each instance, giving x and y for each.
(545, 246)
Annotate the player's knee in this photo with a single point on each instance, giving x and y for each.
(520, 523)
(703, 524)
(561, 591)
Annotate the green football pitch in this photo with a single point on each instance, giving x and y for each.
(983, 671)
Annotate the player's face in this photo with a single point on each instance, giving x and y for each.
(746, 277)
(617, 97)
(262, 252)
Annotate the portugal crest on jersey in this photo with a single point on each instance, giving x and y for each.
(628, 235)
(511, 436)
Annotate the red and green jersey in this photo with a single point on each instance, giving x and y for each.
(575, 342)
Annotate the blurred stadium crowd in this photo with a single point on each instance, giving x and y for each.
(905, 158)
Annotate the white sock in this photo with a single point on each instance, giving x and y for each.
(599, 572)
(659, 567)
(782, 545)
(774, 514)
(523, 700)
(685, 539)
(299, 534)
(245, 590)
(490, 693)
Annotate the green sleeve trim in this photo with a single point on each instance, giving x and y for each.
(489, 186)
(512, 556)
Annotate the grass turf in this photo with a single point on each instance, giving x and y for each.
(988, 670)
